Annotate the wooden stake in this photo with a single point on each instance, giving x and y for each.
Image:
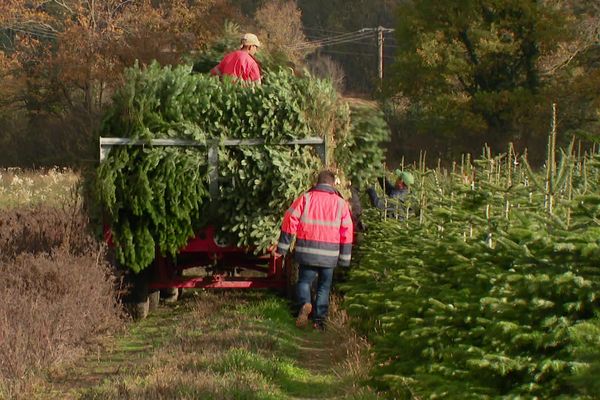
(570, 191)
(385, 200)
(579, 158)
(509, 165)
(551, 164)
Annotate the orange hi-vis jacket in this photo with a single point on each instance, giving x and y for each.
(321, 221)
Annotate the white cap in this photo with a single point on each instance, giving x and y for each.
(250, 39)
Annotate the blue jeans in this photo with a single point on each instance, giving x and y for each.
(306, 276)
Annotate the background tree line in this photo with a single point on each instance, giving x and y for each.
(478, 71)
(60, 61)
(463, 73)
(458, 74)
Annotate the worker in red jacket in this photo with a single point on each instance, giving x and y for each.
(241, 63)
(321, 221)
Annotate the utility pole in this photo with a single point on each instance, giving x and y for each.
(380, 52)
(380, 30)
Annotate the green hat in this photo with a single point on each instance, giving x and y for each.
(406, 177)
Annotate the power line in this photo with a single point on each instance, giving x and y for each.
(321, 30)
(338, 39)
(341, 32)
(354, 53)
(344, 38)
(366, 41)
(358, 40)
(357, 37)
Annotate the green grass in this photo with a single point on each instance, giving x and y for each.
(282, 374)
(224, 345)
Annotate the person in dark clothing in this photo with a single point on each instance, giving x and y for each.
(356, 208)
(396, 192)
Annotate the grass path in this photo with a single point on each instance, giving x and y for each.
(220, 345)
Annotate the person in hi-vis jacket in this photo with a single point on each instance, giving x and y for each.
(321, 222)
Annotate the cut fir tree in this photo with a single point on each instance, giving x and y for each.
(157, 198)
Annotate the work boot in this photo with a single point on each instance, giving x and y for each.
(319, 326)
(302, 319)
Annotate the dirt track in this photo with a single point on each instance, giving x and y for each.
(219, 345)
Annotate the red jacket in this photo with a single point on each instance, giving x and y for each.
(239, 64)
(320, 219)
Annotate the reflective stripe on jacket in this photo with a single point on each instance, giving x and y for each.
(321, 221)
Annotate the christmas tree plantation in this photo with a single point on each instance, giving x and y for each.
(493, 290)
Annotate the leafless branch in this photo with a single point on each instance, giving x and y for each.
(588, 37)
(120, 5)
(30, 23)
(554, 68)
(64, 5)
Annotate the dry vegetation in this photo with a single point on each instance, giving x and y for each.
(50, 187)
(58, 292)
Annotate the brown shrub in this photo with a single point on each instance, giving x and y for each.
(58, 293)
(42, 229)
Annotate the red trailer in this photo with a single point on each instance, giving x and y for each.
(215, 265)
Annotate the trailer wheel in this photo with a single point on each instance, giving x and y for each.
(140, 310)
(169, 295)
(138, 302)
(291, 278)
(153, 299)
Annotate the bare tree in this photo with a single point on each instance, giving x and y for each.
(280, 22)
(325, 67)
(585, 19)
(60, 60)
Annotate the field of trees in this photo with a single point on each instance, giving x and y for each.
(483, 284)
(491, 291)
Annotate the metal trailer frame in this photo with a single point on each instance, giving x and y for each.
(203, 250)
